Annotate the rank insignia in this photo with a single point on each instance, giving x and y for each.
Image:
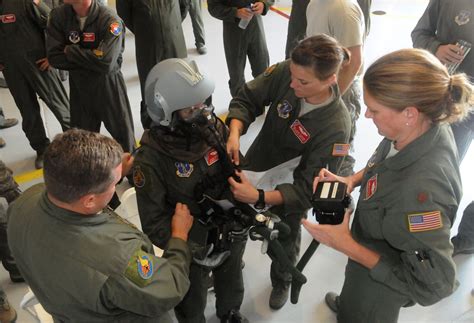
(371, 187)
(74, 37)
(88, 37)
(145, 266)
(8, 18)
(269, 70)
(422, 197)
(138, 177)
(211, 157)
(463, 17)
(284, 109)
(341, 149)
(115, 28)
(371, 161)
(300, 132)
(184, 169)
(427, 221)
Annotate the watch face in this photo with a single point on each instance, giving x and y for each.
(260, 218)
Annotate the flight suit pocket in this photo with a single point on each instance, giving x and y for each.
(425, 276)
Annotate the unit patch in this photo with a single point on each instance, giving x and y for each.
(284, 109)
(115, 28)
(341, 149)
(8, 18)
(140, 268)
(183, 169)
(269, 70)
(74, 37)
(138, 177)
(211, 157)
(300, 132)
(463, 17)
(88, 37)
(371, 187)
(427, 221)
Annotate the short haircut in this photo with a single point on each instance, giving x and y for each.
(322, 53)
(80, 162)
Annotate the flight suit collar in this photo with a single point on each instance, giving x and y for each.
(415, 150)
(70, 217)
(91, 16)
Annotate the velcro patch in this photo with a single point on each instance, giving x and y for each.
(341, 149)
(427, 221)
(115, 28)
(8, 18)
(269, 70)
(138, 177)
(371, 187)
(184, 169)
(140, 268)
(300, 132)
(211, 157)
(88, 37)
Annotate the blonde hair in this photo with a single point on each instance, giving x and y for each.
(414, 77)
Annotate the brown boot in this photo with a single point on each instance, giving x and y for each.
(7, 313)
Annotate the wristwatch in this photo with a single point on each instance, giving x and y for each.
(260, 204)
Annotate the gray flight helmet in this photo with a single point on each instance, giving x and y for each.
(174, 84)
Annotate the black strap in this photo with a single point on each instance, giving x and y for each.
(296, 285)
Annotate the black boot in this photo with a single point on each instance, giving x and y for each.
(234, 316)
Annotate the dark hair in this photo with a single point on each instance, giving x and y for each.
(79, 162)
(322, 53)
(414, 77)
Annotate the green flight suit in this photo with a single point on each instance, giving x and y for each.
(22, 42)
(96, 268)
(156, 25)
(406, 208)
(240, 43)
(167, 169)
(314, 136)
(93, 58)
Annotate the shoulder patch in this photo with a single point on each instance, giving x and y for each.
(426, 221)
(269, 70)
(138, 177)
(341, 149)
(140, 268)
(115, 28)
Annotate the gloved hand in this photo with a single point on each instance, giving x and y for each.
(212, 260)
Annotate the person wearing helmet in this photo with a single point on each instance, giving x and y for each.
(182, 158)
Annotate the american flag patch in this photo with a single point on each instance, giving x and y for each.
(341, 149)
(424, 221)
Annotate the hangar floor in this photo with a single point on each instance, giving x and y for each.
(325, 271)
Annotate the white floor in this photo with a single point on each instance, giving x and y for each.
(325, 271)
